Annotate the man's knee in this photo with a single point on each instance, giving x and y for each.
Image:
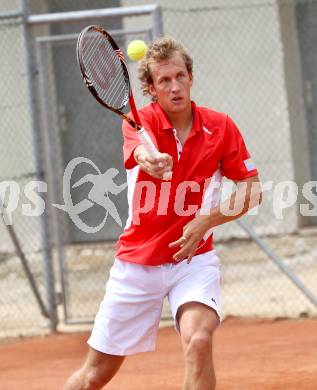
(199, 342)
(97, 371)
(198, 348)
(198, 357)
(94, 379)
(100, 369)
(87, 378)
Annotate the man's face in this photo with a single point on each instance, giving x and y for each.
(171, 84)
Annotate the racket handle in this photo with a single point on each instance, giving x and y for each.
(151, 149)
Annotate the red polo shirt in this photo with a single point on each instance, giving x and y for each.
(158, 210)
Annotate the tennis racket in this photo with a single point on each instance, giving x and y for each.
(105, 73)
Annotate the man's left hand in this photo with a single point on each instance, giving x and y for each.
(193, 232)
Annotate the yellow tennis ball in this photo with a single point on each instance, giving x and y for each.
(136, 50)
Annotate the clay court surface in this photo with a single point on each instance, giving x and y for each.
(249, 354)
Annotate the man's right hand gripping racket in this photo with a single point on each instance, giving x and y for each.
(105, 73)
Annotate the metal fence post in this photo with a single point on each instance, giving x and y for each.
(49, 269)
(45, 240)
(157, 23)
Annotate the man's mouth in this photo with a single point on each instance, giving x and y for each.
(177, 99)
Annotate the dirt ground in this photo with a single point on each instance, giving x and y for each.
(250, 354)
(252, 286)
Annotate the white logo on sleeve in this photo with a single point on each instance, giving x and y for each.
(249, 164)
(207, 131)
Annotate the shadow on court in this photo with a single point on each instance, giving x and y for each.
(250, 355)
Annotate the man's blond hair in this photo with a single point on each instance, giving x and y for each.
(159, 50)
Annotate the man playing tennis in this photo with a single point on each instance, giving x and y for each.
(166, 247)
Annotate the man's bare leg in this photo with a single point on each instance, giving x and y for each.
(98, 369)
(197, 325)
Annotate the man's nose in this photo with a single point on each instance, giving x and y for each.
(175, 86)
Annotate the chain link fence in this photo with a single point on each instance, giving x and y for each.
(20, 311)
(253, 59)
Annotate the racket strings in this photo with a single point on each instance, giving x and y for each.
(104, 70)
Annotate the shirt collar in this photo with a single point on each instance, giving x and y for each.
(166, 124)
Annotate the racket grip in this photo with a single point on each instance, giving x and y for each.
(151, 149)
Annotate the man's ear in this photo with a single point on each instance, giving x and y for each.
(191, 78)
(151, 90)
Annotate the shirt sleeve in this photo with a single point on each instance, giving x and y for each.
(236, 163)
(131, 140)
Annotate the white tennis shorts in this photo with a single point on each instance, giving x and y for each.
(129, 315)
